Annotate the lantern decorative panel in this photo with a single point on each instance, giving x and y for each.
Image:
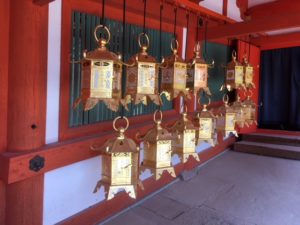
(240, 111)
(120, 164)
(174, 74)
(101, 76)
(249, 110)
(184, 142)
(142, 76)
(198, 73)
(158, 149)
(207, 127)
(249, 74)
(234, 74)
(226, 119)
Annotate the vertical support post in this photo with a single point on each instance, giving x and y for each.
(26, 104)
(4, 43)
(225, 7)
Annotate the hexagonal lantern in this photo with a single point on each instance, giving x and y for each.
(207, 127)
(174, 74)
(249, 74)
(234, 74)
(240, 110)
(226, 119)
(198, 73)
(120, 164)
(185, 144)
(158, 149)
(100, 76)
(142, 76)
(249, 111)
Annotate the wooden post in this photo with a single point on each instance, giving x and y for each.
(26, 104)
(4, 42)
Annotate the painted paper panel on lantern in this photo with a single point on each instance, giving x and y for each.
(249, 74)
(163, 153)
(146, 78)
(230, 119)
(247, 113)
(200, 75)
(189, 141)
(86, 79)
(239, 75)
(167, 76)
(205, 127)
(102, 76)
(121, 168)
(230, 75)
(180, 73)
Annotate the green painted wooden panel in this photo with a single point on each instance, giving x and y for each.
(82, 38)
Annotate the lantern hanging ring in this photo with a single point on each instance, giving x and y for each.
(234, 54)
(104, 28)
(174, 42)
(147, 39)
(225, 98)
(154, 116)
(209, 101)
(119, 118)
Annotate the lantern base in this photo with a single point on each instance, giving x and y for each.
(185, 156)
(212, 142)
(158, 172)
(112, 190)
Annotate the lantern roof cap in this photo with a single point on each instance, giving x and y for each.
(102, 53)
(182, 124)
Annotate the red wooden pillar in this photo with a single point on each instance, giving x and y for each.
(4, 42)
(26, 104)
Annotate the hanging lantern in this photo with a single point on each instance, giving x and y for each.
(249, 74)
(240, 111)
(226, 119)
(198, 73)
(207, 127)
(185, 143)
(142, 76)
(234, 74)
(120, 164)
(249, 110)
(158, 149)
(174, 74)
(100, 76)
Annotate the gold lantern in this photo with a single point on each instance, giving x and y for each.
(198, 73)
(142, 76)
(250, 110)
(249, 74)
(207, 127)
(234, 74)
(185, 143)
(120, 164)
(226, 119)
(158, 149)
(174, 74)
(240, 111)
(101, 76)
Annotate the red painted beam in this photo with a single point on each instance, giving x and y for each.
(277, 41)
(42, 2)
(285, 20)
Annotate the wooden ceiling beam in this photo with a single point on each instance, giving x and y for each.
(282, 21)
(277, 41)
(42, 2)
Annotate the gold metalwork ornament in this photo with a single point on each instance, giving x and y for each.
(250, 110)
(142, 76)
(184, 142)
(198, 73)
(174, 74)
(226, 119)
(207, 126)
(234, 74)
(240, 110)
(120, 164)
(158, 149)
(101, 75)
(249, 74)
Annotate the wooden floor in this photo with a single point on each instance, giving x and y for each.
(232, 189)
